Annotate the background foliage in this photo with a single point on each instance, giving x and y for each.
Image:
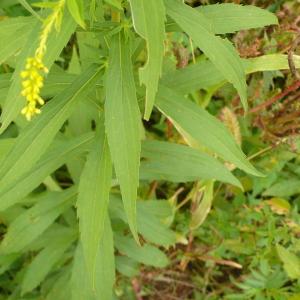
(164, 162)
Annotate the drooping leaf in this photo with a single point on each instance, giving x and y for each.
(179, 163)
(220, 51)
(203, 127)
(38, 135)
(122, 122)
(29, 225)
(151, 27)
(93, 200)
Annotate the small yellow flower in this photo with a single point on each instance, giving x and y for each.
(32, 83)
(33, 75)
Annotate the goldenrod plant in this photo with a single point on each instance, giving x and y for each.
(109, 128)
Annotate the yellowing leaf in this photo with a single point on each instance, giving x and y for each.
(279, 205)
(291, 262)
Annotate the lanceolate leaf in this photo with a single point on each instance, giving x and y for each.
(58, 154)
(104, 272)
(203, 127)
(38, 135)
(34, 221)
(152, 28)
(230, 17)
(146, 254)
(93, 199)
(19, 29)
(76, 8)
(42, 264)
(122, 121)
(204, 74)
(15, 101)
(179, 163)
(220, 51)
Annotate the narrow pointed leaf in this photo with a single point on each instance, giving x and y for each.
(230, 17)
(122, 122)
(19, 28)
(151, 27)
(179, 163)
(42, 264)
(38, 135)
(203, 127)
(104, 272)
(220, 51)
(56, 156)
(34, 221)
(93, 199)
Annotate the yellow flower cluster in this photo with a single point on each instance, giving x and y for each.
(32, 83)
(33, 75)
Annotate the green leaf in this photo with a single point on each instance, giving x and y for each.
(127, 266)
(221, 52)
(14, 101)
(58, 154)
(44, 261)
(230, 17)
(34, 221)
(291, 262)
(61, 288)
(179, 163)
(152, 228)
(284, 188)
(151, 27)
(104, 272)
(203, 127)
(27, 6)
(122, 122)
(80, 281)
(19, 28)
(115, 3)
(38, 135)
(204, 75)
(146, 254)
(76, 9)
(93, 200)
(149, 224)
